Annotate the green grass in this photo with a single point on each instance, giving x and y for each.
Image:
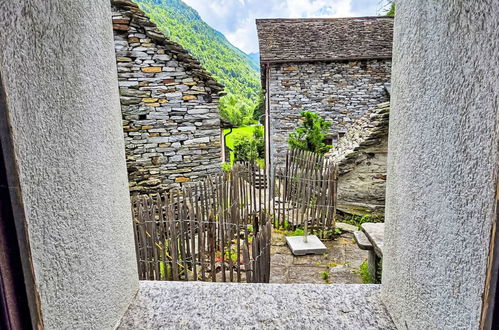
(363, 271)
(357, 220)
(238, 133)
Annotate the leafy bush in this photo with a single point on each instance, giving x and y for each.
(237, 111)
(391, 11)
(250, 149)
(311, 134)
(226, 167)
(363, 271)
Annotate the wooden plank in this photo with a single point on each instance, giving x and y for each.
(154, 241)
(193, 216)
(173, 236)
(203, 228)
(182, 235)
(211, 239)
(135, 224)
(247, 264)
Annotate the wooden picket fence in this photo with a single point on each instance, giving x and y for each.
(215, 230)
(304, 192)
(220, 229)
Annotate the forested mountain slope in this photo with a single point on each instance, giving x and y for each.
(231, 67)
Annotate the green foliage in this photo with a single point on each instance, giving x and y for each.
(237, 110)
(391, 11)
(363, 271)
(259, 109)
(237, 71)
(297, 232)
(325, 275)
(357, 220)
(311, 134)
(250, 149)
(226, 167)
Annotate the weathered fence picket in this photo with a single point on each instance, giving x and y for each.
(220, 229)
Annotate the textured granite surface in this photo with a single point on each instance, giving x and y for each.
(59, 73)
(197, 305)
(442, 162)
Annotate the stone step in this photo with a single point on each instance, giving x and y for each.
(362, 241)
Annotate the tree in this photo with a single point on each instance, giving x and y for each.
(391, 11)
(259, 110)
(311, 134)
(250, 149)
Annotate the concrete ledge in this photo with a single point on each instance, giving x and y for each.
(201, 305)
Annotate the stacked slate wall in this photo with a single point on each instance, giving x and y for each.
(169, 104)
(341, 92)
(361, 156)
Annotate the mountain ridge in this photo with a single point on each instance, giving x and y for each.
(230, 66)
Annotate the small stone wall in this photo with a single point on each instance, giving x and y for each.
(169, 105)
(341, 92)
(362, 157)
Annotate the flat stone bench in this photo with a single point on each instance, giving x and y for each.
(371, 239)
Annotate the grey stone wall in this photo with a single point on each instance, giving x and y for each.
(64, 113)
(442, 163)
(341, 92)
(361, 156)
(170, 106)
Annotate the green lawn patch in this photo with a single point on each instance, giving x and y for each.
(243, 132)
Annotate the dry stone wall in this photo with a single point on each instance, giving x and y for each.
(361, 156)
(341, 92)
(169, 105)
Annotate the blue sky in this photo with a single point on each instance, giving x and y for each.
(236, 18)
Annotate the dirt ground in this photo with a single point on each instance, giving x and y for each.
(336, 266)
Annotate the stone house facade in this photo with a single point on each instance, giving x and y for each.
(169, 105)
(336, 68)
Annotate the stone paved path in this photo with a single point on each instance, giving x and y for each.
(342, 258)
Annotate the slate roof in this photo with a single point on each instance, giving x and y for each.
(325, 39)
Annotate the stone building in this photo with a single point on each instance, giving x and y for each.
(361, 155)
(65, 205)
(169, 105)
(336, 68)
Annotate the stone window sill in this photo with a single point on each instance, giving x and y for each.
(201, 305)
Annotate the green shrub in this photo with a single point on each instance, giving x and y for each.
(325, 275)
(250, 149)
(311, 134)
(226, 167)
(297, 232)
(363, 271)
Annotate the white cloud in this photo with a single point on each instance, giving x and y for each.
(236, 18)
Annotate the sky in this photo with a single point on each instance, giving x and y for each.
(236, 18)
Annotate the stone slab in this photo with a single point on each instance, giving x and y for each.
(300, 248)
(346, 227)
(375, 232)
(362, 241)
(202, 305)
